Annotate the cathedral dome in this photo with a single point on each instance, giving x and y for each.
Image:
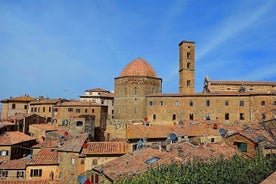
(138, 67)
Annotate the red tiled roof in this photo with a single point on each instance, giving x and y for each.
(130, 164)
(97, 90)
(45, 126)
(45, 101)
(73, 143)
(19, 99)
(45, 156)
(105, 148)
(79, 104)
(14, 164)
(138, 67)
(5, 123)
(242, 82)
(10, 138)
(204, 152)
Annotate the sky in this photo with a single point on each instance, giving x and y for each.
(60, 48)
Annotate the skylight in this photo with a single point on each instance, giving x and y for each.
(152, 160)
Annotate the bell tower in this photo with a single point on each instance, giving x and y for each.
(186, 67)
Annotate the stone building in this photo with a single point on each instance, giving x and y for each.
(139, 98)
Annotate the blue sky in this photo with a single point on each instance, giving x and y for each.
(60, 48)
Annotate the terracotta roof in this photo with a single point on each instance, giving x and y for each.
(10, 138)
(73, 143)
(19, 99)
(6, 123)
(45, 101)
(105, 148)
(162, 131)
(131, 164)
(97, 90)
(14, 164)
(242, 82)
(79, 104)
(45, 156)
(204, 152)
(270, 179)
(45, 126)
(138, 67)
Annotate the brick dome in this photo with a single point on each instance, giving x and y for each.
(138, 67)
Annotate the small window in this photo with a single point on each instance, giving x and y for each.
(50, 109)
(241, 103)
(25, 106)
(43, 109)
(135, 91)
(95, 162)
(4, 153)
(263, 103)
(93, 110)
(188, 82)
(263, 117)
(191, 116)
(85, 110)
(208, 102)
(241, 116)
(20, 174)
(38, 109)
(161, 103)
(154, 117)
(70, 109)
(4, 174)
(176, 103)
(77, 110)
(188, 55)
(191, 103)
(226, 116)
(188, 65)
(208, 117)
(32, 109)
(274, 103)
(13, 106)
(226, 102)
(213, 140)
(152, 160)
(35, 109)
(82, 161)
(242, 146)
(79, 123)
(36, 173)
(151, 103)
(174, 117)
(73, 161)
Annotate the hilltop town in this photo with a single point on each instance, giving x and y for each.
(105, 135)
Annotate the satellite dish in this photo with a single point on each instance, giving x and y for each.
(173, 136)
(222, 131)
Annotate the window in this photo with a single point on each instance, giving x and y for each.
(151, 103)
(263, 116)
(176, 103)
(208, 102)
(263, 103)
(70, 109)
(72, 177)
(242, 146)
(79, 123)
(226, 102)
(241, 116)
(174, 117)
(43, 109)
(188, 82)
(13, 106)
(94, 178)
(4, 153)
(212, 140)
(20, 174)
(191, 116)
(25, 106)
(274, 103)
(208, 117)
(188, 55)
(152, 160)
(95, 162)
(38, 109)
(50, 109)
(82, 161)
(161, 103)
(32, 109)
(35, 109)
(4, 174)
(85, 110)
(93, 110)
(191, 103)
(73, 161)
(188, 65)
(226, 116)
(241, 103)
(36, 173)
(154, 117)
(77, 110)
(135, 91)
